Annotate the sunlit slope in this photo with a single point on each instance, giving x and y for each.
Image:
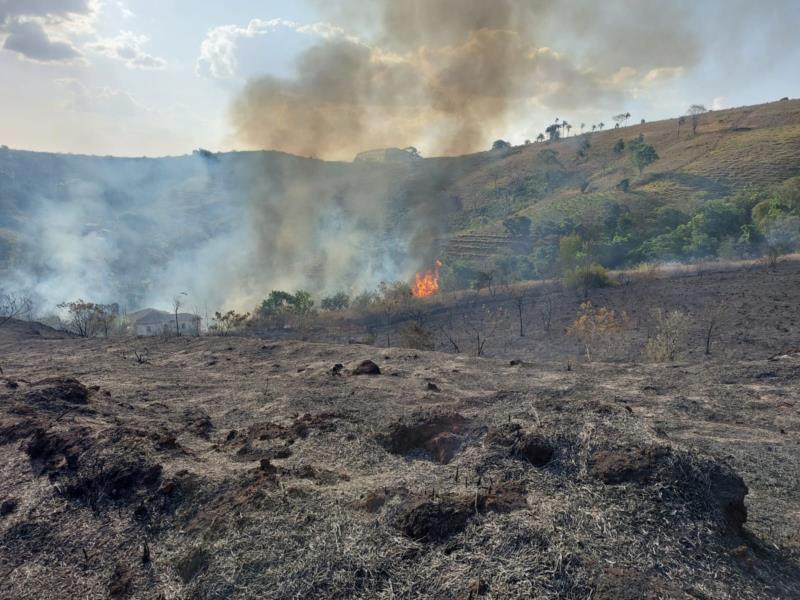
(748, 147)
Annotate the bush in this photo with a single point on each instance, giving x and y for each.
(588, 277)
(594, 326)
(339, 301)
(228, 322)
(365, 299)
(669, 338)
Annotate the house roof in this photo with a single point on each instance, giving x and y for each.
(152, 316)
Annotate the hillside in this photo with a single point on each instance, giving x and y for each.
(314, 219)
(230, 467)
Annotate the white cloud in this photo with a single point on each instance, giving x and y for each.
(719, 103)
(127, 47)
(104, 100)
(125, 11)
(218, 50)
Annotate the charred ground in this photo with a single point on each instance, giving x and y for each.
(234, 467)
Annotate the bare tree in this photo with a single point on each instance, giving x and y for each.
(681, 121)
(13, 306)
(546, 313)
(448, 330)
(84, 318)
(393, 297)
(711, 317)
(106, 315)
(523, 300)
(481, 322)
(177, 303)
(695, 110)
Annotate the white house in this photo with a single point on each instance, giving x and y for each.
(150, 321)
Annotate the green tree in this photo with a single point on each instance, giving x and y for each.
(578, 265)
(642, 154)
(301, 303)
(276, 302)
(338, 301)
(553, 132)
(519, 226)
(501, 145)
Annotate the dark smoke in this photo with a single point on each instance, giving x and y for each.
(449, 75)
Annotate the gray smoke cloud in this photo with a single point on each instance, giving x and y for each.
(226, 229)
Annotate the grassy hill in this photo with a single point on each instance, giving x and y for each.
(564, 185)
(695, 201)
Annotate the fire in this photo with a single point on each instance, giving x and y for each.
(428, 284)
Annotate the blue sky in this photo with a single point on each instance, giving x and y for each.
(148, 77)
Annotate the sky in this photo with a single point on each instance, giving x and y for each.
(331, 77)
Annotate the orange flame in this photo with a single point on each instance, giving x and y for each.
(428, 284)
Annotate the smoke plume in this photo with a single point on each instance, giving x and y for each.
(448, 75)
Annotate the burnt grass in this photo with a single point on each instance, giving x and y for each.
(271, 474)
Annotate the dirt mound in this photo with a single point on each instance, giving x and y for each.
(17, 430)
(708, 484)
(118, 482)
(504, 497)
(58, 390)
(8, 506)
(433, 521)
(53, 452)
(199, 423)
(299, 429)
(367, 367)
(511, 438)
(631, 464)
(437, 520)
(269, 440)
(436, 436)
(616, 583)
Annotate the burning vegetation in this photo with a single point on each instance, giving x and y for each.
(428, 284)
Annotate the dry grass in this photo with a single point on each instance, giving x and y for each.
(306, 529)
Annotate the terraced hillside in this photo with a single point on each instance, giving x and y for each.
(563, 184)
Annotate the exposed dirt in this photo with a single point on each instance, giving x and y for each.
(274, 475)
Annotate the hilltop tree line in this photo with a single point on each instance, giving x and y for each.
(562, 128)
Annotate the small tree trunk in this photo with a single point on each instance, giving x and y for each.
(709, 332)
